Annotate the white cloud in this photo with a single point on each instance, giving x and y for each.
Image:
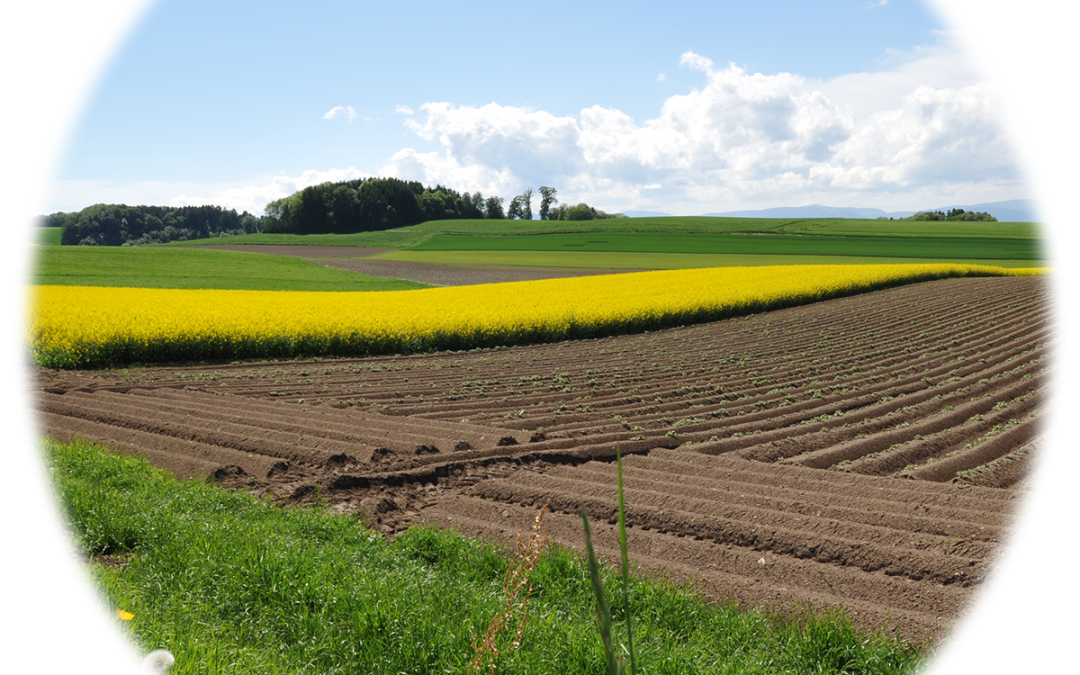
(938, 135)
(534, 145)
(742, 138)
(661, 77)
(431, 168)
(345, 111)
(253, 198)
(920, 133)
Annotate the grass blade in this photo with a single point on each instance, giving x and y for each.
(625, 562)
(603, 612)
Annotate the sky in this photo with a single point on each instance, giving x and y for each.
(682, 107)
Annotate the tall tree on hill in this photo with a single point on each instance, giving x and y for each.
(477, 201)
(547, 199)
(513, 212)
(526, 204)
(493, 208)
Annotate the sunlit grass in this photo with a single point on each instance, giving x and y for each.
(230, 584)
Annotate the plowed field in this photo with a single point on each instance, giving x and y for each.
(865, 452)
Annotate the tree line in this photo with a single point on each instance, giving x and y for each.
(122, 225)
(953, 214)
(368, 204)
(361, 205)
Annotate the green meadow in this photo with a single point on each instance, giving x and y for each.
(232, 584)
(662, 261)
(687, 242)
(712, 225)
(662, 225)
(170, 267)
(939, 248)
(381, 239)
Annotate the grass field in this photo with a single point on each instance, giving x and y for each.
(941, 248)
(708, 225)
(662, 261)
(665, 225)
(382, 239)
(232, 584)
(49, 236)
(688, 242)
(167, 267)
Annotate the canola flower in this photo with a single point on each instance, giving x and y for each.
(87, 327)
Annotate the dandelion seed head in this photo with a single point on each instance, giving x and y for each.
(158, 662)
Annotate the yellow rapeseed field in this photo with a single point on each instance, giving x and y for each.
(84, 326)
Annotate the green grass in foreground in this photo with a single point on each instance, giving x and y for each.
(664, 261)
(942, 248)
(48, 236)
(161, 267)
(230, 584)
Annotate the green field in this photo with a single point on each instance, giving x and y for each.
(708, 225)
(622, 243)
(381, 239)
(936, 248)
(687, 242)
(660, 261)
(232, 584)
(49, 236)
(167, 267)
(665, 225)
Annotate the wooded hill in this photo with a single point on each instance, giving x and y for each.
(364, 205)
(122, 225)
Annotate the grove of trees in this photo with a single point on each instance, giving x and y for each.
(369, 204)
(953, 214)
(122, 225)
(361, 205)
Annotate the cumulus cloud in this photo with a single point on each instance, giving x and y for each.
(345, 111)
(533, 145)
(938, 135)
(739, 138)
(254, 198)
(921, 133)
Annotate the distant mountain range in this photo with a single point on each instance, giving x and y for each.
(1013, 210)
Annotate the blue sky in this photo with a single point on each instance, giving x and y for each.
(682, 107)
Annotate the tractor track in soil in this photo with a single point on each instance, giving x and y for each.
(865, 453)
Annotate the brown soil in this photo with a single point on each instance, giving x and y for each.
(445, 274)
(355, 259)
(866, 452)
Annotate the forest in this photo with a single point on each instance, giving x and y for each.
(345, 207)
(122, 225)
(364, 205)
